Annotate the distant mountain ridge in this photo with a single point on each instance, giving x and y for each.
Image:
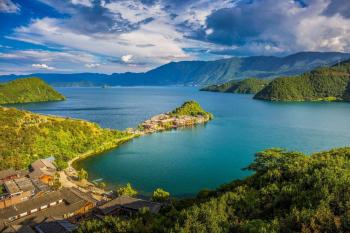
(200, 72)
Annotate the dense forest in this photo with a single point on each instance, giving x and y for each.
(27, 90)
(321, 84)
(245, 86)
(287, 192)
(25, 137)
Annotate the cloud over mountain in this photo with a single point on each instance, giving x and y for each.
(155, 32)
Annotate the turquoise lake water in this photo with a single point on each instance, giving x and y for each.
(186, 161)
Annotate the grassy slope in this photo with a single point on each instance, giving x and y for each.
(26, 136)
(27, 90)
(288, 192)
(328, 84)
(246, 86)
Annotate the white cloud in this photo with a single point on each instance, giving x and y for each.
(7, 6)
(162, 40)
(87, 3)
(43, 56)
(92, 65)
(127, 58)
(42, 66)
(278, 27)
(118, 32)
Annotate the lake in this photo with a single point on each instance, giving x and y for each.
(186, 161)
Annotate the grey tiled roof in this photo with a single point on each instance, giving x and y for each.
(129, 203)
(29, 205)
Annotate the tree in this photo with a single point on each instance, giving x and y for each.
(102, 185)
(56, 184)
(82, 174)
(61, 165)
(160, 195)
(127, 190)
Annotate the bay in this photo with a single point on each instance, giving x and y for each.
(188, 160)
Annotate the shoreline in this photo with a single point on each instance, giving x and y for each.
(68, 176)
(156, 124)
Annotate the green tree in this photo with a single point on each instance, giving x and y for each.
(82, 174)
(56, 182)
(102, 185)
(160, 195)
(127, 190)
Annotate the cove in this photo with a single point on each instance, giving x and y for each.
(188, 160)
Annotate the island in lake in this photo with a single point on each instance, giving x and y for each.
(27, 90)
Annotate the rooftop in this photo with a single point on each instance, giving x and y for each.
(7, 173)
(42, 167)
(51, 225)
(129, 203)
(19, 185)
(27, 206)
(66, 201)
(11, 187)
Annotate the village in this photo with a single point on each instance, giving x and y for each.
(166, 121)
(43, 199)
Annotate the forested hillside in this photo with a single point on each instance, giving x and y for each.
(26, 136)
(321, 84)
(27, 90)
(246, 86)
(190, 108)
(288, 192)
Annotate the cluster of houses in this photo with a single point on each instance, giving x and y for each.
(29, 204)
(165, 121)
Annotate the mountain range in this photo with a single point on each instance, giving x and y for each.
(199, 73)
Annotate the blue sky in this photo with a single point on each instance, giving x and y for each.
(107, 36)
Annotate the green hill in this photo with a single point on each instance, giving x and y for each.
(288, 192)
(26, 136)
(191, 108)
(27, 90)
(246, 86)
(321, 84)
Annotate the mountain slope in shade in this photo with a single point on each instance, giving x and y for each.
(201, 72)
(321, 84)
(27, 90)
(246, 86)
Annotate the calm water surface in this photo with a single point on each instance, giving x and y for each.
(186, 161)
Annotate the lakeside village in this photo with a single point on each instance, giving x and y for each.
(43, 199)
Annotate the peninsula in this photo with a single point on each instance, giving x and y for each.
(27, 90)
(322, 84)
(27, 136)
(245, 86)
